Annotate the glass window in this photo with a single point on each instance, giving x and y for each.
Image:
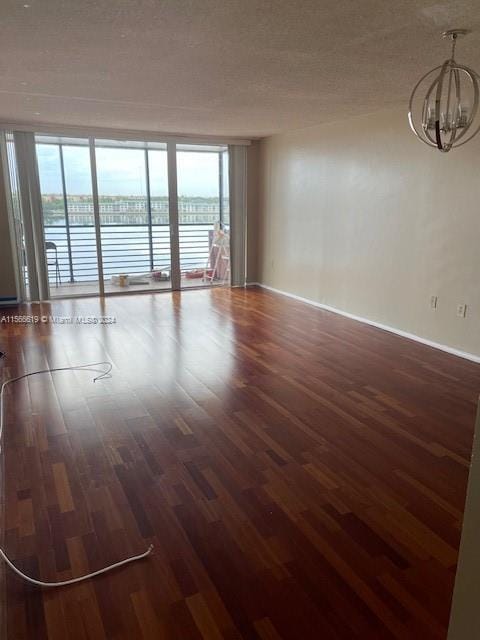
(204, 241)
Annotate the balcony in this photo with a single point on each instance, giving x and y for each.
(126, 249)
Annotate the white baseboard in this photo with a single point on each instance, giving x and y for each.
(378, 325)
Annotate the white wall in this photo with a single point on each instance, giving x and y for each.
(361, 216)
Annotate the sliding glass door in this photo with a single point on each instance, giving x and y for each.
(134, 215)
(161, 256)
(108, 223)
(68, 220)
(203, 215)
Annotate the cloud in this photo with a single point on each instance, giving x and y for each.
(122, 171)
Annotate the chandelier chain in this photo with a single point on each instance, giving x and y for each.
(454, 44)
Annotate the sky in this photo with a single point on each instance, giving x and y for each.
(122, 171)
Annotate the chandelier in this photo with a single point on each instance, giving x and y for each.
(447, 116)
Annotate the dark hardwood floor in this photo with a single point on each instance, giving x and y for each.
(301, 475)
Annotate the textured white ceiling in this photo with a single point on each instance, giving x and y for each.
(244, 68)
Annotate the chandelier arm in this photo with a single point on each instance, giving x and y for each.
(438, 99)
(449, 92)
(454, 129)
(457, 110)
(458, 91)
(474, 108)
(438, 136)
(472, 75)
(410, 108)
(453, 124)
(432, 139)
(424, 113)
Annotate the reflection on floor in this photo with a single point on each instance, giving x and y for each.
(91, 288)
(301, 475)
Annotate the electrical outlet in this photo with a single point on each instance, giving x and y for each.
(433, 302)
(461, 310)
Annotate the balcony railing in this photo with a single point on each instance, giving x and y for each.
(125, 249)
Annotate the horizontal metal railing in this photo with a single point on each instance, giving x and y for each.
(125, 249)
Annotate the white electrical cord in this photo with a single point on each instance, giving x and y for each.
(103, 374)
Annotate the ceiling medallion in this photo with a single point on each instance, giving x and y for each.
(447, 116)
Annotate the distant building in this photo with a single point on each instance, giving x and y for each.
(130, 210)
